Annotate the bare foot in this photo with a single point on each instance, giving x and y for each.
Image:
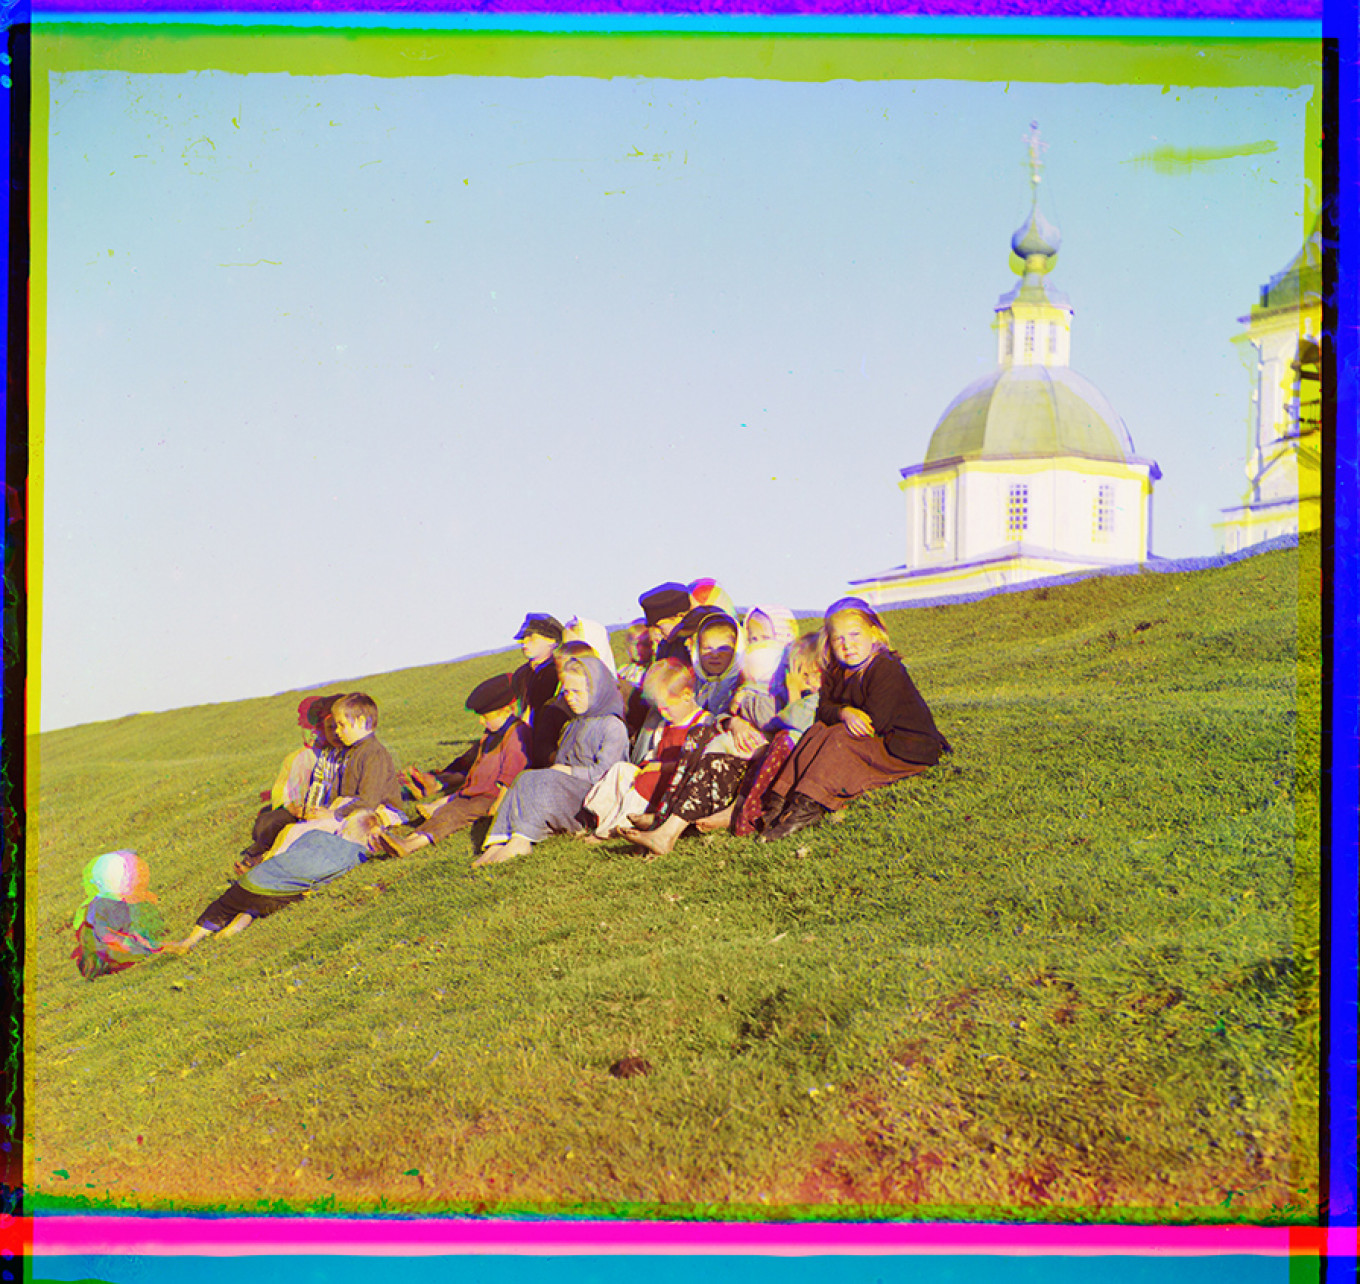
(643, 820)
(395, 845)
(719, 820)
(661, 840)
(499, 853)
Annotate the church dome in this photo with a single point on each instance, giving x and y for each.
(1030, 410)
(1036, 236)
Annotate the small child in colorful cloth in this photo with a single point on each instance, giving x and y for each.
(118, 924)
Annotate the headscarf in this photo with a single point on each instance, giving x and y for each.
(708, 592)
(115, 876)
(856, 604)
(781, 620)
(605, 700)
(596, 637)
(715, 693)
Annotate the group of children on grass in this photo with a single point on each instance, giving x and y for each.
(714, 723)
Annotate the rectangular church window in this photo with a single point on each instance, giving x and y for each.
(1053, 341)
(1017, 510)
(1104, 515)
(1029, 340)
(934, 532)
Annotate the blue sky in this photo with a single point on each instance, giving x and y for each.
(345, 374)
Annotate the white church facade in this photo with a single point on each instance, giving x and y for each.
(1030, 471)
(1284, 457)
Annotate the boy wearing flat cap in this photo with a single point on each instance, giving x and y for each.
(536, 684)
(480, 776)
(663, 607)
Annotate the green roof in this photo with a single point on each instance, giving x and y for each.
(1030, 410)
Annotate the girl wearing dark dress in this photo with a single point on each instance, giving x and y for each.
(872, 727)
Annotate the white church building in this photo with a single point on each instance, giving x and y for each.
(1284, 458)
(1030, 471)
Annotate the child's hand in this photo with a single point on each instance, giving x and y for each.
(747, 738)
(317, 813)
(857, 722)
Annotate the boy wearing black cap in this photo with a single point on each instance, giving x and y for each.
(663, 607)
(480, 776)
(535, 683)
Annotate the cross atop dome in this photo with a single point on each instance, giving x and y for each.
(1036, 148)
(1036, 241)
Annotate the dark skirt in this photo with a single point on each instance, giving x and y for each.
(237, 900)
(832, 767)
(709, 786)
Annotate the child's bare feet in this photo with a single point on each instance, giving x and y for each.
(642, 820)
(396, 845)
(499, 853)
(661, 840)
(719, 820)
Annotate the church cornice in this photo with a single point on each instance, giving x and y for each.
(1035, 462)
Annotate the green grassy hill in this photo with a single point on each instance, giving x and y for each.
(1071, 972)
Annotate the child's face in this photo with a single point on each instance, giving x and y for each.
(536, 647)
(804, 677)
(329, 734)
(640, 648)
(676, 708)
(497, 718)
(350, 731)
(850, 644)
(716, 649)
(662, 629)
(576, 692)
(759, 628)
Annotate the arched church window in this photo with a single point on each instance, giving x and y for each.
(1017, 510)
(1104, 514)
(934, 515)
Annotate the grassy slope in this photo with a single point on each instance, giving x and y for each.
(1070, 972)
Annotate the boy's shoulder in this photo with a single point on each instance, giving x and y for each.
(369, 747)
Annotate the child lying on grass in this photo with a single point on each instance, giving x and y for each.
(312, 859)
